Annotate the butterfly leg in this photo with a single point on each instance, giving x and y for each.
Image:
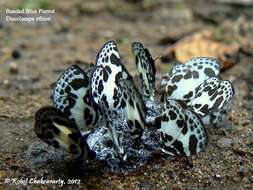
(189, 161)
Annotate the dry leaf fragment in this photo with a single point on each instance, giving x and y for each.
(201, 44)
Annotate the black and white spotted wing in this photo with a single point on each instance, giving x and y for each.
(109, 56)
(183, 79)
(112, 88)
(173, 120)
(54, 128)
(112, 85)
(206, 67)
(72, 97)
(146, 68)
(211, 96)
(133, 108)
(182, 131)
(106, 76)
(216, 118)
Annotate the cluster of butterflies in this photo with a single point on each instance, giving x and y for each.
(194, 96)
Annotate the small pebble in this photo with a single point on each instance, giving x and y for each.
(2, 174)
(224, 142)
(16, 54)
(6, 84)
(13, 68)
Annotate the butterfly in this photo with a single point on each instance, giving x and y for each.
(146, 67)
(113, 90)
(197, 82)
(73, 111)
(54, 128)
(71, 95)
(181, 131)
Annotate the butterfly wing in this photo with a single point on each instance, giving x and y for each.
(184, 137)
(113, 86)
(193, 138)
(109, 58)
(211, 96)
(113, 89)
(183, 79)
(217, 117)
(134, 109)
(205, 66)
(172, 122)
(146, 68)
(106, 76)
(196, 83)
(180, 83)
(54, 128)
(71, 96)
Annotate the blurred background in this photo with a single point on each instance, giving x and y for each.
(33, 54)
